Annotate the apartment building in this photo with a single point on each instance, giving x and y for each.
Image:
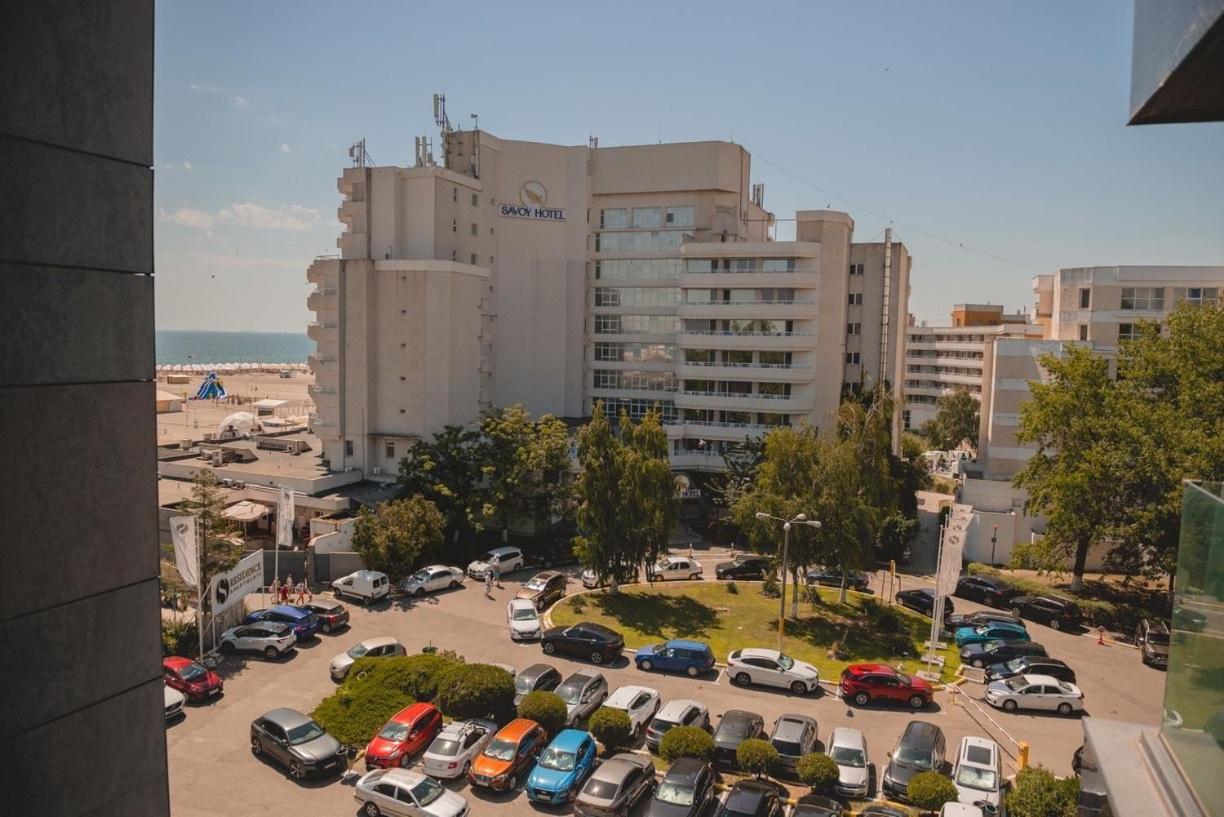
(558, 276)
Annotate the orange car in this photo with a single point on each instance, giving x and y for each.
(509, 756)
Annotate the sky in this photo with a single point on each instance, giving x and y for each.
(990, 136)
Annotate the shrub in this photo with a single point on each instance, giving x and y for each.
(1038, 793)
(476, 691)
(818, 771)
(756, 756)
(733, 588)
(611, 727)
(770, 588)
(888, 621)
(930, 790)
(180, 638)
(579, 604)
(354, 718)
(545, 708)
(686, 741)
(416, 675)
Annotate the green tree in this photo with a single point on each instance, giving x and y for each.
(1038, 793)
(219, 546)
(818, 771)
(648, 490)
(525, 463)
(545, 708)
(467, 691)
(930, 790)
(611, 727)
(448, 471)
(599, 504)
(756, 756)
(354, 718)
(956, 420)
(392, 537)
(686, 741)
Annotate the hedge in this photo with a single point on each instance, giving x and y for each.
(1038, 793)
(817, 770)
(180, 638)
(415, 675)
(355, 718)
(686, 741)
(756, 756)
(930, 790)
(468, 691)
(611, 727)
(545, 708)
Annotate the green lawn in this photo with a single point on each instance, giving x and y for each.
(706, 611)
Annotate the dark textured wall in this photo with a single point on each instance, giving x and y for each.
(81, 729)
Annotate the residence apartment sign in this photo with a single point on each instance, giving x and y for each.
(533, 204)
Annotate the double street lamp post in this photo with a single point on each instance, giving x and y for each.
(798, 519)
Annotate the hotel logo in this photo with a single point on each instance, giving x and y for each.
(533, 204)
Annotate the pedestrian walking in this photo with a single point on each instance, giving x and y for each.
(496, 568)
(301, 592)
(489, 583)
(284, 591)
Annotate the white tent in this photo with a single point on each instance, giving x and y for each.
(246, 511)
(243, 422)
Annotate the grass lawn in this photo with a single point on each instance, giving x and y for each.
(706, 611)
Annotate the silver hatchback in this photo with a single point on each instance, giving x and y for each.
(616, 786)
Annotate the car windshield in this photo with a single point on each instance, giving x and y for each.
(788, 748)
(421, 575)
(847, 756)
(975, 778)
(1158, 638)
(523, 684)
(427, 791)
(904, 680)
(1016, 664)
(558, 759)
(570, 693)
(524, 614)
(192, 672)
(675, 794)
(394, 731)
(1016, 684)
(447, 747)
(536, 584)
(785, 661)
(357, 650)
(501, 749)
(305, 733)
(914, 756)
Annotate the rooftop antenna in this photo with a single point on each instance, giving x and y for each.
(357, 152)
(475, 121)
(440, 113)
(593, 141)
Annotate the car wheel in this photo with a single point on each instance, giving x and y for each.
(455, 584)
(646, 666)
(692, 671)
(405, 760)
(270, 653)
(296, 770)
(917, 702)
(256, 747)
(694, 577)
(743, 679)
(327, 628)
(370, 810)
(799, 688)
(1009, 706)
(861, 699)
(512, 783)
(420, 591)
(1015, 611)
(549, 648)
(1064, 709)
(979, 663)
(597, 658)
(227, 647)
(1055, 624)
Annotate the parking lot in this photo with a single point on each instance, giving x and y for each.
(212, 771)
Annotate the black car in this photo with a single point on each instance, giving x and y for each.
(1057, 613)
(686, 790)
(986, 589)
(744, 566)
(920, 749)
(922, 600)
(832, 577)
(989, 653)
(751, 798)
(536, 678)
(815, 805)
(585, 639)
(982, 617)
(296, 742)
(735, 727)
(1030, 665)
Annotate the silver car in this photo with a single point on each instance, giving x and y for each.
(793, 736)
(616, 786)
(407, 793)
(450, 755)
(583, 693)
(432, 578)
(296, 742)
(1035, 692)
(271, 638)
(370, 648)
(848, 748)
(174, 702)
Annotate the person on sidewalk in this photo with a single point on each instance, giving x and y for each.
(489, 583)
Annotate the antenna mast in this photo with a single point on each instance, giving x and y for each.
(357, 152)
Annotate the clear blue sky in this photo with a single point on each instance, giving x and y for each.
(1000, 127)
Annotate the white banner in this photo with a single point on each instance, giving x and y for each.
(183, 534)
(955, 532)
(284, 518)
(227, 589)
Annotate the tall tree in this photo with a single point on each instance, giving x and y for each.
(599, 503)
(648, 489)
(393, 536)
(526, 463)
(219, 548)
(956, 420)
(448, 471)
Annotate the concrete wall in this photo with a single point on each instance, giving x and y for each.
(76, 372)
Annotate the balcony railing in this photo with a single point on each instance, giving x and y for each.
(738, 395)
(754, 302)
(745, 334)
(744, 365)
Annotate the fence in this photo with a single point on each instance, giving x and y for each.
(330, 566)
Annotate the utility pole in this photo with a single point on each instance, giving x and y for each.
(994, 537)
(786, 528)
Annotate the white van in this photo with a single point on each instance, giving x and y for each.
(365, 586)
(978, 774)
(505, 559)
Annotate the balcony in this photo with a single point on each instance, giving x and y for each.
(322, 271)
(778, 404)
(760, 341)
(750, 310)
(761, 372)
(316, 361)
(322, 332)
(946, 345)
(943, 360)
(715, 430)
(730, 279)
(321, 299)
(698, 461)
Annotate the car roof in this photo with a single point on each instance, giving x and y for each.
(404, 777)
(759, 652)
(289, 610)
(517, 728)
(623, 696)
(380, 641)
(176, 662)
(366, 574)
(685, 644)
(545, 575)
(684, 770)
(286, 718)
(614, 769)
(1038, 678)
(324, 604)
(972, 742)
(438, 567)
(920, 731)
(847, 736)
(791, 726)
(745, 795)
(503, 550)
(734, 715)
(457, 728)
(278, 627)
(581, 676)
(870, 669)
(525, 603)
(536, 670)
(673, 709)
(569, 739)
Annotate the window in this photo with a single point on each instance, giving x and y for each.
(856, 269)
(1143, 298)
(475, 200)
(1083, 331)
(635, 352)
(454, 194)
(616, 218)
(852, 358)
(680, 216)
(776, 264)
(905, 419)
(634, 324)
(856, 299)
(475, 228)
(774, 389)
(454, 225)
(1085, 297)
(637, 241)
(637, 296)
(1128, 331)
(348, 448)
(1202, 295)
(639, 268)
(854, 329)
(390, 451)
(474, 260)
(776, 359)
(648, 218)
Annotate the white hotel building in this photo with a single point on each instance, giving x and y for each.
(558, 276)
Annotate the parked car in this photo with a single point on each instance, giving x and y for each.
(989, 590)
(305, 624)
(332, 614)
(977, 772)
(583, 693)
(1030, 665)
(591, 580)
(980, 617)
(452, 751)
(406, 793)
(771, 668)
(832, 577)
(816, 805)
(296, 742)
(1152, 639)
(877, 810)
(432, 578)
(584, 640)
(751, 798)
(735, 727)
(990, 632)
(173, 700)
(848, 749)
(793, 736)
(508, 756)
(271, 638)
(191, 679)
(383, 646)
(676, 712)
(543, 589)
(639, 703)
(922, 600)
(744, 566)
(503, 559)
(686, 790)
(408, 732)
(997, 652)
(562, 767)
(523, 619)
(1185, 618)
(677, 655)
(616, 786)
(1050, 610)
(673, 568)
(864, 683)
(920, 749)
(536, 678)
(365, 586)
(952, 809)
(1040, 692)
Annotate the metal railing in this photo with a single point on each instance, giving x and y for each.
(737, 395)
(746, 334)
(744, 365)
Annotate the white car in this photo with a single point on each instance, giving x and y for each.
(673, 568)
(523, 620)
(505, 559)
(451, 752)
(639, 703)
(406, 792)
(174, 702)
(363, 585)
(272, 638)
(771, 668)
(978, 772)
(370, 648)
(961, 810)
(676, 712)
(429, 579)
(848, 748)
(1035, 692)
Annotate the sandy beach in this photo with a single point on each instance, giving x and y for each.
(199, 416)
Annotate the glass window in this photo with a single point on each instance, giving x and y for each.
(778, 359)
(680, 216)
(616, 218)
(777, 264)
(1202, 295)
(774, 389)
(637, 408)
(737, 358)
(643, 268)
(1085, 297)
(636, 324)
(852, 358)
(390, 451)
(854, 329)
(475, 228)
(1083, 331)
(634, 380)
(856, 299)
(348, 448)
(638, 241)
(699, 356)
(637, 296)
(648, 218)
(856, 269)
(1143, 298)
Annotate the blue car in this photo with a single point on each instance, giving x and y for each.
(304, 622)
(997, 631)
(677, 655)
(562, 767)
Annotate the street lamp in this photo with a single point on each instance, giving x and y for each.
(800, 519)
(994, 537)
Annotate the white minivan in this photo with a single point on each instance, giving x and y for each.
(504, 559)
(364, 585)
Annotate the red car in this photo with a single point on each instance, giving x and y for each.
(863, 683)
(191, 679)
(411, 730)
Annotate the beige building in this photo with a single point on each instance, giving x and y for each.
(558, 276)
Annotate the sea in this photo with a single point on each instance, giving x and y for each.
(185, 346)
